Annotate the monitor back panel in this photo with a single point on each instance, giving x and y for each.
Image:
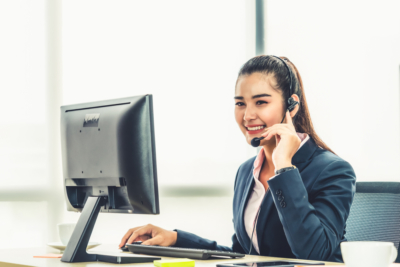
(108, 149)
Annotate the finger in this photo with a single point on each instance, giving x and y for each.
(277, 131)
(133, 238)
(288, 118)
(277, 139)
(265, 133)
(127, 235)
(146, 230)
(269, 135)
(276, 127)
(157, 240)
(269, 129)
(143, 238)
(125, 238)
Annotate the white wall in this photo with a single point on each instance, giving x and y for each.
(348, 53)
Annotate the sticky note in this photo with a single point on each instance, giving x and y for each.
(174, 263)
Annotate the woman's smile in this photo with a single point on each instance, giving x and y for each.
(255, 128)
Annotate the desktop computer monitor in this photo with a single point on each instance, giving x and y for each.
(109, 164)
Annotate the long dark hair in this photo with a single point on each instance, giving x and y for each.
(272, 65)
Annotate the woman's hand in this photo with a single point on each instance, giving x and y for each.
(150, 235)
(287, 142)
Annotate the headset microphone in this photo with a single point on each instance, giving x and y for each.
(255, 142)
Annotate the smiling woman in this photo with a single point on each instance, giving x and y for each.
(269, 81)
(292, 200)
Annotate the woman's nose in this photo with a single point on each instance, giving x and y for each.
(250, 114)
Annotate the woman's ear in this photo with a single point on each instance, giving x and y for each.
(297, 107)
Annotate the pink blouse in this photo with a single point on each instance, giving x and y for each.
(257, 196)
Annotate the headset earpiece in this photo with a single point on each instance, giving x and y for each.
(292, 104)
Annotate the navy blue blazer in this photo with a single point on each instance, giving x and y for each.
(303, 214)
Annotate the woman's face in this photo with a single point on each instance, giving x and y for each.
(257, 105)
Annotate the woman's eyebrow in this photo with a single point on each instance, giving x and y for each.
(262, 95)
(254, 96)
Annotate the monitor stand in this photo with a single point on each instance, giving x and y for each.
(76, 248)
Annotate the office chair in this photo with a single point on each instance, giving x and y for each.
(375, 213)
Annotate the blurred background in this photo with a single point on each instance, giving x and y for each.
(187, 54)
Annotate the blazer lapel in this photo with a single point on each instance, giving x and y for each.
(304, 154)
(243, 238)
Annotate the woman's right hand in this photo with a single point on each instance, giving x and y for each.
(150, 235)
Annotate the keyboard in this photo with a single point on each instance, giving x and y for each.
(191, 253)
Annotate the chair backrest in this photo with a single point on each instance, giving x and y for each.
(375, 213)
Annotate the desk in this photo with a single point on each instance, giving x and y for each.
(24, 257)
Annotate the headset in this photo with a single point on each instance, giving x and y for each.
(256, 141)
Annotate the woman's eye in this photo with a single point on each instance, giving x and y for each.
(239, 104)
(261, 102)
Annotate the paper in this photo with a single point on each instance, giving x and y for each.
(49, 256)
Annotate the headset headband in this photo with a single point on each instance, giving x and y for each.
(290, 74)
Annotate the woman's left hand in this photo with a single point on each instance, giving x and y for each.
(287, 142)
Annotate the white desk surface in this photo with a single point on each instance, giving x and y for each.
(24, 257)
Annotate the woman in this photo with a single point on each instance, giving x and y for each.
(293, 199)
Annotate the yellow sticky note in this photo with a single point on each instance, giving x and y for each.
(174, 263)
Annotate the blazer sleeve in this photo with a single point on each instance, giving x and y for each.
(189, 240)
(314, 224)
